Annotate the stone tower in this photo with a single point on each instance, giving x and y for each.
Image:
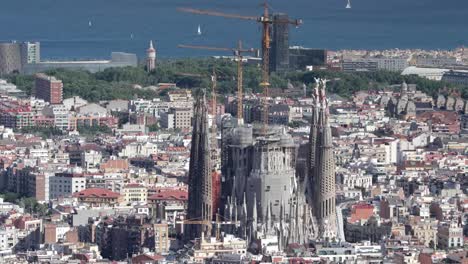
(200, 177)
(150, 57)
(322, 167)
(311, 161)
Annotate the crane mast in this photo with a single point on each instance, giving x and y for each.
(265, 84)
(238, 53)
(266, 21)
(214, 82)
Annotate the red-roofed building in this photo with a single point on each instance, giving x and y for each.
(97, 197)
(169, 195)
(441, 121)
(15, 114)
(168, 200)
(361, 212)
(32, 228)
(117, 165)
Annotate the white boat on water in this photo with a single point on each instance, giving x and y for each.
(348, 6)
(90, 24)
(199, 30)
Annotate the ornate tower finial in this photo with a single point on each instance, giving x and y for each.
(323, 98)
(316, 89)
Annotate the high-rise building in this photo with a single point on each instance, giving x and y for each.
(177, 117)
(200, 172)
(279, 53)
(301, 58)
(151, 57)
(48, 88)
(321, 167)
(30, 52)
(10, 58)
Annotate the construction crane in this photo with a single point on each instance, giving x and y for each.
(218, 224)
(266, 21)
(238, 53)
(214, 82)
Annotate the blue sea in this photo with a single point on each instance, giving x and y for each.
(62, 26)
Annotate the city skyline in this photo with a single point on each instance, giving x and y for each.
(297, 154)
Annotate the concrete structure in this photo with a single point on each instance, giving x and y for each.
(392, 64)
(14, 114)
(260, 186)
(118, 59)
(180, 98)
(301, 58)
(48, 88)
(8, 241)
(359, 65)
(449, 236)
(10, 58)
(279, 53)
(135, 193)
(127, 236)
(374, 63)
(177, 118)
(59, 114)
(29, 183)
(66, 184)
(258, 166)
(161, 238)
(30, 52)
(271, 174)
(10, 89)
(167, 120)
(456, 77)
(150, 58)
(431, 61)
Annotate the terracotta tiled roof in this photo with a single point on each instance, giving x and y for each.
(363, 206)
(170, 194)
(97, 192)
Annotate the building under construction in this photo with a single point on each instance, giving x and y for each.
(258, 166)
(279, 55)
(260, 186)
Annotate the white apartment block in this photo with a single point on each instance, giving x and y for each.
(66, 185)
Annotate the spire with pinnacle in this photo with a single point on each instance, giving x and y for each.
(311, 162)
(322, 165)
(200, 179)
